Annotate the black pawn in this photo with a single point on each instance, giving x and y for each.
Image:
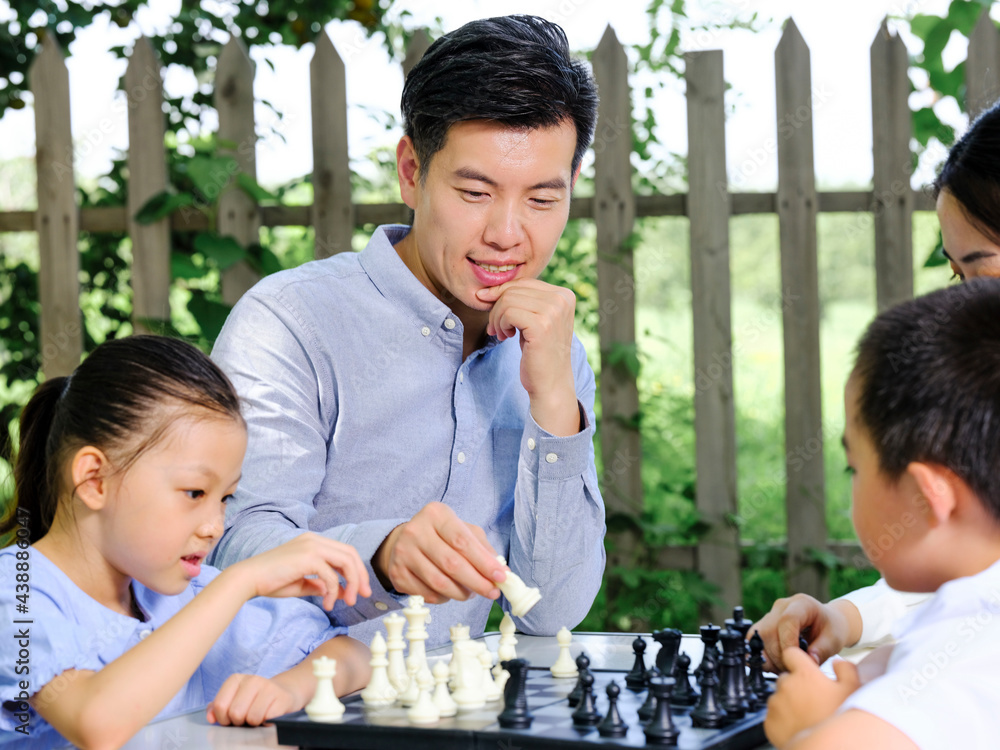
(585, 714)
(685, 694)
(759, 685)
(708, 713)
(738, 622)
(582, 665)
(636, 679)
(645, 711)
(661, 729)
(732, 674)
(515, 714)
(670, 643)
(613, 726)
(709, 639)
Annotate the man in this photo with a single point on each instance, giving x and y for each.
(426, 400)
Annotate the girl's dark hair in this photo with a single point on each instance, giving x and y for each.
(112, 402)
(514, 70)
(928, 377)
(971, 173)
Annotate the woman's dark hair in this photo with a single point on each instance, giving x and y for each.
(514, 70)
(928, 378)
(113, 401)
(971, 173)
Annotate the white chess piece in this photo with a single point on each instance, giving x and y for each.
(505, 648)
(458, 634)
(564, 666)
(397, 664)
(379, 691)
(490, 690)
(424, 711)
(417, 615)
(325, 706)
(469, 678)
(518, 594)
(409, 696)
(442, 698)
(505, 652)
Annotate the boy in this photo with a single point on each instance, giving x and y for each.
(922, 435)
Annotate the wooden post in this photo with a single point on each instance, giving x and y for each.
(805, 499)
(892, 204)
(982, 66)
(147, 168)
(238, 214)
(714, 411)
(418, 45)
(333, 214)
(57, 218)
(614, 215)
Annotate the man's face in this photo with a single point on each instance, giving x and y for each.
(489, 209)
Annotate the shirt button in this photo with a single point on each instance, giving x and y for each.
(381, 606)
(461, 458)
(425, 331)
(531, 444)
(551, 457)
(144, 634)
(461, 377)
(449, 323)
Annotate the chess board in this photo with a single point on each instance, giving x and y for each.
(362, 728)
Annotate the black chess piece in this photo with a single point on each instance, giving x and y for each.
(670, 643)
(732, 672)
(709, 639)
(586, 714)
(613, 725)
(709, 713)
(645, 711)
(760, 686)
(515, 714)
(636, 679)
(661, 729)
(684, 694)
(582, 665)
(738, 622)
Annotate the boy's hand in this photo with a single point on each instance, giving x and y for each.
(250, 700)
(830, 629)
(283, 570)
(805, 696)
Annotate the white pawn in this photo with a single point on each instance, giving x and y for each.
(424, 711)
(442, 698)
(518, 594)
(564, 666)
(458, 634)
(505, 648)
(379, 691)
(409, 696)
(469, 679)
(397, 664)
(490, 690)
(325, 706)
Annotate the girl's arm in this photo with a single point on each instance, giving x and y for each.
(105, 708)
(252, 700)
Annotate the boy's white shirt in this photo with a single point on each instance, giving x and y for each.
(880, 607)
(941, 685)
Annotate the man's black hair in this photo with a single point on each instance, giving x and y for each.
(928, 376)
(514, 70)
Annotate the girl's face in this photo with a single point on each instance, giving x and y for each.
(166, 512)
(971, 252)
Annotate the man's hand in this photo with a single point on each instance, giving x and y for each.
(543, 313)
(831, 627)
(440, 557)
(805, 696)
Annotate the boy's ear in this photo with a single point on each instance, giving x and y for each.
(937, 491)
(89, 472)
(407, 169)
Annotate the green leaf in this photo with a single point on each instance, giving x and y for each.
(822, 557)
(161, 205)
(963, 15)
(211, 174)
(210, 314)
(225, 251)
(263, 260)
(922, 24)
(937, 256)
(182, 266)
(625, 355)
(249, 186)
(937, 40)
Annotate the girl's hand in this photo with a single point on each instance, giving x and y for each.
(250, 700)
(309, 565)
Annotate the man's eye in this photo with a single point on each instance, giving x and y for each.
(194, 494)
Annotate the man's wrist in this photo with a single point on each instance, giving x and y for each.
(380, 560)
(558, 414)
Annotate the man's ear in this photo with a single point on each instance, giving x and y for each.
(937, 490)
(89, 472)
(408, 170)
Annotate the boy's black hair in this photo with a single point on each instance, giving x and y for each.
(514, 70)
(928, 376)
(971, 173)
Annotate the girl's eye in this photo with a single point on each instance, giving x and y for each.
(194, 494)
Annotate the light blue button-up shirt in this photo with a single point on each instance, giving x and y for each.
(361, 411)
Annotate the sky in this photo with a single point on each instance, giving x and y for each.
(839, 39)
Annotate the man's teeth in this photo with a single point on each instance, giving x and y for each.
(497, 269)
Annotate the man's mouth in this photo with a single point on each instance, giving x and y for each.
(496, 269)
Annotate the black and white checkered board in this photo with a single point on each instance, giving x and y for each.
(363, 728)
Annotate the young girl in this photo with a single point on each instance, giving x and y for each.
(121, 481)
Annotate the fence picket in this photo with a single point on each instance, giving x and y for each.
(982, 66)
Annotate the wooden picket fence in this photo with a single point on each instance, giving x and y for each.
(708, 204)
